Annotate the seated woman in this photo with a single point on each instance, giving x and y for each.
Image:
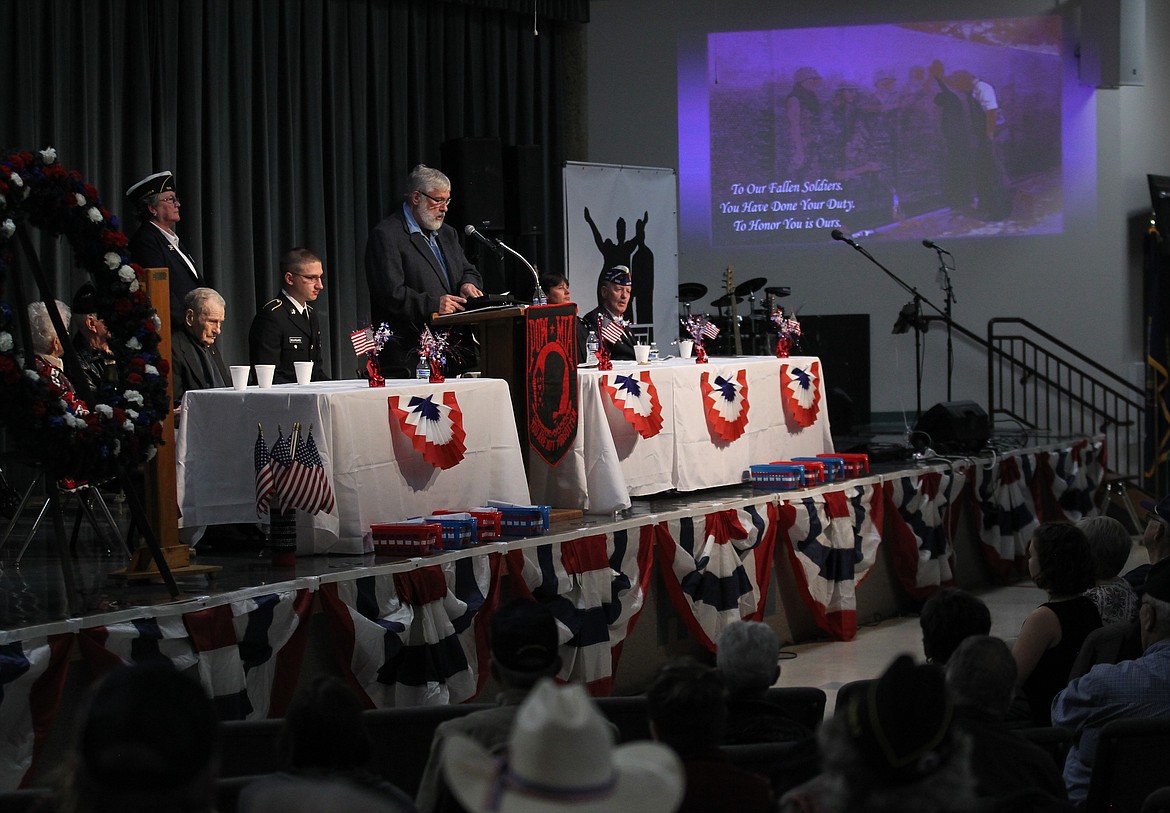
(1061, 564)
(1110, 545)
(49, 351)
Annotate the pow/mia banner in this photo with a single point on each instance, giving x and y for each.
(551, 375)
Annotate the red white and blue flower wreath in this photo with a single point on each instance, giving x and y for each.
(123, 424)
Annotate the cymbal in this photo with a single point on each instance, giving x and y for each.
(778, 290)
(690, 291)
(750, 286)
(725, 301)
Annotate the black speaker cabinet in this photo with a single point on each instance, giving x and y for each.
(476, 169)
(842, 343)
(955, 426)
(524, 192)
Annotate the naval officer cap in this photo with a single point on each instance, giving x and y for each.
(154, 184)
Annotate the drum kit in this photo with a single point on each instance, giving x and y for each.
(755, 326)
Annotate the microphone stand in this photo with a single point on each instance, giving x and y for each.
(918, 321)
(538, 297)
(944, 280)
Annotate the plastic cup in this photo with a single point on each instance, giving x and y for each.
(304, 371)
(685, 347)
(240, 376)
(264, 373)
(642, 353)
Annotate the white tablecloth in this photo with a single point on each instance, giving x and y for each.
(375, 472)
(610, 461)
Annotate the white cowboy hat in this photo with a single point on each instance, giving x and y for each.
(561, 756)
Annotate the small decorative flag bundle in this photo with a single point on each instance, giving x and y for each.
(291, 475)
(433, 348)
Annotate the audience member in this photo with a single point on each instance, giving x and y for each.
(91, 340)
(613, 298)
(981, 680)
(415, 268)
(1110, 545)
(1137, 688)
(687, 711)
(196, 363)
(324, 737)
(155, 244)
(524, 645)
(747, 654)
(561, 756)
(286, 329)
(49, 350)
(147, 741)
(892, 748)
(1061, 564)
(947, 618)
(1155, 539)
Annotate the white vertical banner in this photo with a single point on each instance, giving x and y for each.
(619, 215)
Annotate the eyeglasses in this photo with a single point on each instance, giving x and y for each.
(436, 201)
(172, 200)
(309, 277)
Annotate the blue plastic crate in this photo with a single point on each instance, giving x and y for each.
(834, 466)
(777, 476)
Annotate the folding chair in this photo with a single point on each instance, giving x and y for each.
(89, 503)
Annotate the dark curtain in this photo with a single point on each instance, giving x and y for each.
(286, 122)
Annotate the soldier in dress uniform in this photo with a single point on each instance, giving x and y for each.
(286, 329)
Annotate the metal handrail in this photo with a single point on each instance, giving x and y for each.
(1046, 385)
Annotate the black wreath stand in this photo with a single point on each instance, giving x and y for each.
(73, 371)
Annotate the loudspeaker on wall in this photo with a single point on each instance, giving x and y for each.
(524, 192)
(1113, 43)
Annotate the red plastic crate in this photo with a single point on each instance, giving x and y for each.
(406, 538)
(856, 463)
(814, 470)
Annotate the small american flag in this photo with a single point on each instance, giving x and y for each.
(611, 331)
(265, 476)
(304, 484)
(363, 341)
(709, 331)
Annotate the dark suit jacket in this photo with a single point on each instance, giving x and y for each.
(280, 336)
(624, 349)
(187, 371)
(150, 249)
(406, 281)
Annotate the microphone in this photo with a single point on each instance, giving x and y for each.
(837, 234)
(471, 231)
(935, 246)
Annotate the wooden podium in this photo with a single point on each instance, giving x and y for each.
(501, 335)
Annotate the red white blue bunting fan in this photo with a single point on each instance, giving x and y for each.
(800, 390)
(726, 404)
(435, 429)
(637, 398)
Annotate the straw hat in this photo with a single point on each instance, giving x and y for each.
(561, 756)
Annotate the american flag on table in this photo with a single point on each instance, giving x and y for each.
(265, 472)
(832, 540)
(363, 341)
(717, 567)
(612, 330)
(302, 483)
(709, 330)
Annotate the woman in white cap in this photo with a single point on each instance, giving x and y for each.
(155, 244)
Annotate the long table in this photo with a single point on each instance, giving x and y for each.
(610, 462)
(375, 472)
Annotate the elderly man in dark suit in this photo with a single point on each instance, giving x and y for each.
(613, 298)
(415, 267)
(195, 360)
(286, 329)
(155, 244)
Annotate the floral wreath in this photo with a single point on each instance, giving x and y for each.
(123, 422)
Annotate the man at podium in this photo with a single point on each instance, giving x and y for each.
(415, 267)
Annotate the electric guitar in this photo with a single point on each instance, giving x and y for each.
(729, 285)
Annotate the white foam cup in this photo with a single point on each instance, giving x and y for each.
(240, 376)
(642, 353)
(304, 371)
(264, 373)
(685, 346)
